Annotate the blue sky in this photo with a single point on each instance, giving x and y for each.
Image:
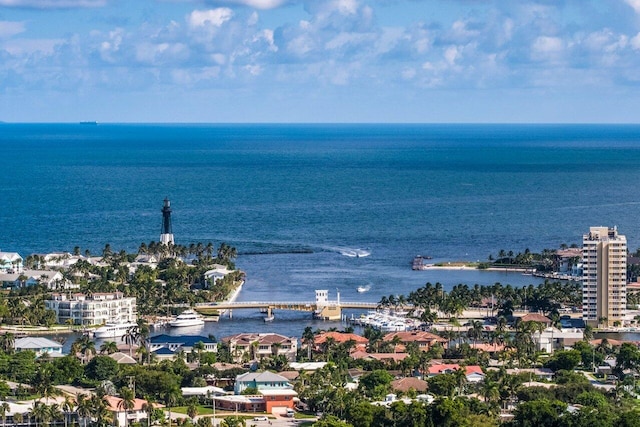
(320, 60)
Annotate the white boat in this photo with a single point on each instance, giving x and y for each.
(113, 330)
(362, 289)
(187, 318)
(269, 318)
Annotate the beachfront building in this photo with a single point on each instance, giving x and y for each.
(25, 278)
(258, 346)
(604, 280)
(93, 309)
(218, 272)
(10, 262)
(39, 346)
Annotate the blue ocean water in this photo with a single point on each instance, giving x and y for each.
(453, 192)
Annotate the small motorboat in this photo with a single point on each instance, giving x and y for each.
(363, 289)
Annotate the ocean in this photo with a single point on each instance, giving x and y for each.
(298, 201)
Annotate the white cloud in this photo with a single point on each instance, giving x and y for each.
(635, 42)
(10, 28)
(212, 17)
(155, 54)
(545, 47)
(30, 46)
(635, 4)
(52, 4)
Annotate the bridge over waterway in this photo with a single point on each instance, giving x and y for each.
(324, 310)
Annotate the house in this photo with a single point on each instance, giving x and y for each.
(307, 366)
(359, 342)
(473, 373)
(383, 357)
(536, 317)
(92, 309)
(38, 345)
(186, 343)
(424, 340)
(410, 383)
(25, 278)
(251, 346)
(10, 262)
(540, 373)
(551, 339)
(121, 417)
(215, 274)
(276, 391)
(261, 381)
(122, 358)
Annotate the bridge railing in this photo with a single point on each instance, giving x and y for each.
(297, 303)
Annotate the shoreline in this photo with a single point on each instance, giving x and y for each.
(469, 267)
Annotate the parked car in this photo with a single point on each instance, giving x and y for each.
(260, 418)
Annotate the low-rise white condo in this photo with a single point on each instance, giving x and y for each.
(93, 309)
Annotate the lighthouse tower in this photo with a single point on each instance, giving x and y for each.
(166, 236)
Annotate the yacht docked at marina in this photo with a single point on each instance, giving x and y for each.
(113, 330)
(187, 318)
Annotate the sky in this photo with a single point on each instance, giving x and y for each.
(227, 61)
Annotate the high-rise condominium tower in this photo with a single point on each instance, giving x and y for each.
(604, 282)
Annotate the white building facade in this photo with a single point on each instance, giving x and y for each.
(604, 280)
(93, 309)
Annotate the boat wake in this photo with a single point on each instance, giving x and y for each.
(362, 289)
(355, 253)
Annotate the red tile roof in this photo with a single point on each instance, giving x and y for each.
(406, 384)
(339, 337)
(535, 317)
(415, 336)
(447, 368)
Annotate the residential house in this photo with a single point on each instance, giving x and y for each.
(536, 317)
(410, 383)
(276, 391)
(551, 339)
(93, 309)
(218, 272)
(424, 340)
(10, 262)
(383, 357)
(473, 373)
(38, 345)
(122, 417)
(166, 346)
(25, 278)
(251, 346)
(359, 342)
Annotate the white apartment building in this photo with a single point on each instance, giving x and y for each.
(93, 309)
(604, 280)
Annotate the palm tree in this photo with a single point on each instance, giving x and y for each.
(67, 406)
(100, 411)
(131, 337)
(308, 338)
(108, 347)
(148, 407)
(84, 408)
(4, 408)
(55, 413)
(40, 412)
(8, 342)
(127, 402)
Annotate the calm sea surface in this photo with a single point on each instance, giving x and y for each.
(453, 192)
